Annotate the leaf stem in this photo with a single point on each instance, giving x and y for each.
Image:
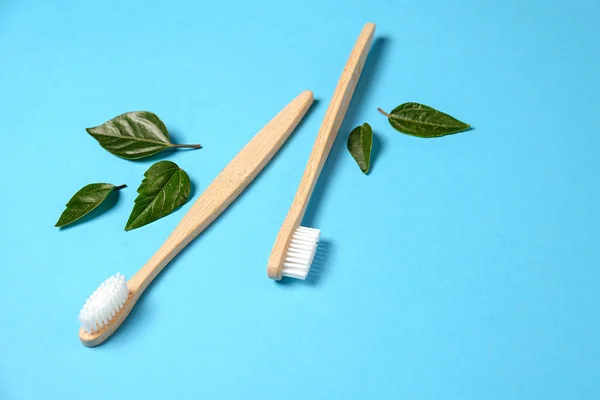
(189, 146)
(120, 187)
(383, 112)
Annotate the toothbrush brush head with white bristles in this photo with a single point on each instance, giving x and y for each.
(105, 310)
(301, 252)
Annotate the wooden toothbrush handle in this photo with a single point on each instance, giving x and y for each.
(334, 116)
(234, 178)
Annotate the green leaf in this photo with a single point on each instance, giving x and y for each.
(360, 142)
(134, 135)
(423, 121)
(85, 200)
(164, 188)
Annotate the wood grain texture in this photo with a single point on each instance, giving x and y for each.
(223, 190)
(332, 122)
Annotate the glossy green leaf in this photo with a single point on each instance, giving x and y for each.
(164, 188)
(423, 121)
(360, 142)
(134, 135)
(85, 200)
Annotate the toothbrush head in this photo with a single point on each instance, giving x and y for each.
(105, 310)
(298, 256)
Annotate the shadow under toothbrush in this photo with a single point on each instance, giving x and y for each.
(5, 7)
(135, 323)
(355, 111)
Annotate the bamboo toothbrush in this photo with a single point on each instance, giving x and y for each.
(106, 309)
(296, 245)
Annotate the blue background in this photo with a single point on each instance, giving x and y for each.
(465, 267)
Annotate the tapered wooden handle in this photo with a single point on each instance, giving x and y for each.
(329, 128)
(234, 178)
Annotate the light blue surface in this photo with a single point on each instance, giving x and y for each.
(466, 267)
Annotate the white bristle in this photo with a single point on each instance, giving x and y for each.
(106, 301)
(301, 252)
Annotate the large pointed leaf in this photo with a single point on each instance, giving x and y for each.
(134, 135)
(85, 200)
(423, 121)
(164, 188)
(360, 142)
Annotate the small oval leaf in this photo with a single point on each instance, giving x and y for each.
(164, 188)
(423, 121)
(85, 200)
(360, 142)
(134, 135)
